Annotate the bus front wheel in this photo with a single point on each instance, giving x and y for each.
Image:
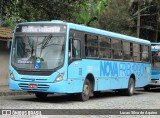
(131, 86)
(41, 96)
(84, 96)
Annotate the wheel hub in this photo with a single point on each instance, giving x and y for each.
(86, 90)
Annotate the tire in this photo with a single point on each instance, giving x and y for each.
(147, 88)
(84, 96)
(131, 86)
(41, 96)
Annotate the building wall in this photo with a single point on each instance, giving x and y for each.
(4, 63)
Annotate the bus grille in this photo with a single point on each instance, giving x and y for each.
(32, 79)
(40, 87)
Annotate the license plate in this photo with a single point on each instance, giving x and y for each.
(32, 86)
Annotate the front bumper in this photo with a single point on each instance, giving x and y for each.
(155, 82)
(64, 86)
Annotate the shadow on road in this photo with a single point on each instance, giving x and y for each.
(56, 98)
(151, 90)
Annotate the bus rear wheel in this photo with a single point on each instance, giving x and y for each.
(131, 86)
(84, 96)
(41, 96)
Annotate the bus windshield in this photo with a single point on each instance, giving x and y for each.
(156, 60)
(38, 52)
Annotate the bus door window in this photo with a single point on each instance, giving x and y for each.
(76, 48)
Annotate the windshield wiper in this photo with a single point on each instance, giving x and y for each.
(45, 42)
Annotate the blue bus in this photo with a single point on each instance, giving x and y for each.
(155, 73)
(60, 57)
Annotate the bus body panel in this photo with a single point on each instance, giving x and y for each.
(59, 87)
(155, 74)
(113, 79)
(45, 83)
(109, 75)
(155, 78)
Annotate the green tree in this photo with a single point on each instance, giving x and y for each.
(40, 10)
(149, 18)
(12, 12)
(89, 12)
(116, 18)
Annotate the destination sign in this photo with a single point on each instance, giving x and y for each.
(41, 29)
(155, 47)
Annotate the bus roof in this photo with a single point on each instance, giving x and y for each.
(107, 33)
(155, 43)
(92, 30)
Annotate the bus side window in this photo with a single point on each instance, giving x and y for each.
(91, 45)
(86, 47)
(145, 53)
(86, 51)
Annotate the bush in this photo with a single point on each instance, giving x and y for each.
(12, 21)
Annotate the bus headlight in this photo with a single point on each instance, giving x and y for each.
(59, 77)
(11, 75)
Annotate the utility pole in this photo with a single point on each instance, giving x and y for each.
(138, 19)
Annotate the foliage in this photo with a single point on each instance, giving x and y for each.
(113, 15)
(15, 11)
(116, 18)
(149, 18)
(35, 10)
(12, 21)
(89, 12)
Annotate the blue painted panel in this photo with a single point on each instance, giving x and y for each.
(155, 74)
(111, 74)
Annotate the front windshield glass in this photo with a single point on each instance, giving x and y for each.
(156, 60)
(38, 52)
